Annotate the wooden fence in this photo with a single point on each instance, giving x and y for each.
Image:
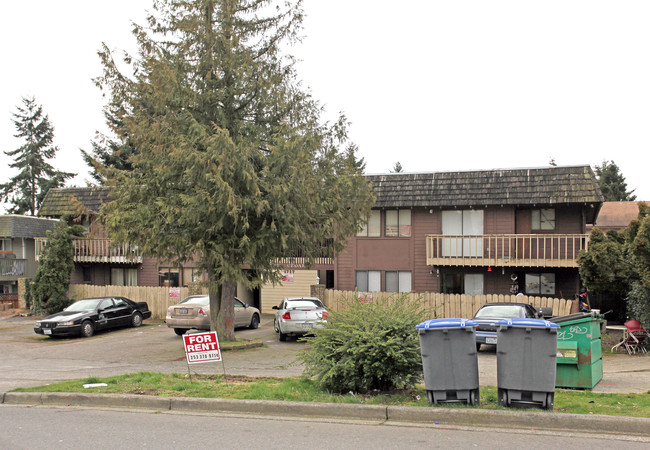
(438, 305)
(435, 305)
(158, 298)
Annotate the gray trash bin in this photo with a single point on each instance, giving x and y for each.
(526, 362)
(449, 360)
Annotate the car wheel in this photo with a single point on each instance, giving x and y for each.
(179, 331)
(136, 320)
(255, 322)
(87, 329)
(283, 337)
(275, 326)
(478, 347)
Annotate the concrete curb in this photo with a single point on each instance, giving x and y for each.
(515, 419)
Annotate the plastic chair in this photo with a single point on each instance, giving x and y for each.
(636, 337)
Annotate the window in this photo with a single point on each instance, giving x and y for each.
(121, 276)
(368, 280)
(5, 245)
(190, 275)
(543, 219)
(87, 274)
(372, 226)
(462, 223)
(398, 281)
(398, 222)
(540, 283)
(168, 277)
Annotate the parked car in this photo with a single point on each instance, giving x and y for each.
(490, 313)
(297, 316)
(85, 317)
(194, 313)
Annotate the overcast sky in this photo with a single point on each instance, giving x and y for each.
(435, 85)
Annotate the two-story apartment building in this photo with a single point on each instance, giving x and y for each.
(494, 231)
(17, 250)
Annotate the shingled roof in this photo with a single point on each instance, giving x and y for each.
(531, 186)
(73, 201)
(15, 226)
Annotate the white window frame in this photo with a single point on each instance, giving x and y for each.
(372, 225)
(398, 223)
(543, 219)
(372, 280)
(404, 280)
(540, 283)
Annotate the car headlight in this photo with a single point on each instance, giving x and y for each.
(38, 323)
(66, 324)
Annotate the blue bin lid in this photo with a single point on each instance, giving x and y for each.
(527, 323)
(446, 323)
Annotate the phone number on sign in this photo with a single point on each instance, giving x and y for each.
(202, 356)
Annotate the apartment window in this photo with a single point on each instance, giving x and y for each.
(87, 274)
(368, 280)
(398, 281)
(540, 283)
(543, 219)
(5, 245)
(372, 225)
(121, 276)
(398, 222)
(190, 275)
(168, 277)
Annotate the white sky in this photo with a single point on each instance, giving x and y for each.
(435, 85)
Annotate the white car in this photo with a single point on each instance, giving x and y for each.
(297, 316)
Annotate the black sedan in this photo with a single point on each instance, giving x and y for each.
(490, 313)
(84, 317)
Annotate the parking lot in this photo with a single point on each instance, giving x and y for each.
(31, 360)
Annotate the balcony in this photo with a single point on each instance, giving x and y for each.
(12, 269)
(98, 251)
(506, 250)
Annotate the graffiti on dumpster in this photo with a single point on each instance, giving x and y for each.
(565, 335)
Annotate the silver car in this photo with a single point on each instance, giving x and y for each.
(194, 313)
(297, 316)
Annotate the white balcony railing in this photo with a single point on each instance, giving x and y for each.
(12, 269)
(506, 250)
(86, 250)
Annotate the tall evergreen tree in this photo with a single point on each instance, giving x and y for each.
(397, 168)
(110, 152)
(36, 176)
(232, 162)
(612, 183)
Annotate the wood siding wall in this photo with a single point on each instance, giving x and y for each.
(300, 287)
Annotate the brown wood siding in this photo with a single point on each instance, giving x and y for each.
(344, 267)
(383, 254)
(148, 272)
(424, 222)
(499, 220)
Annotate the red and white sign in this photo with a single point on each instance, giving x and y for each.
(202, 347)
(174, 292)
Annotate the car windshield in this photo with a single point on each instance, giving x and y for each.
(84, 305)
(197, 300)
(499, 312)
(304, 303)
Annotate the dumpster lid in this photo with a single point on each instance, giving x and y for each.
(527, 323)
(446, 323)
(577, 316)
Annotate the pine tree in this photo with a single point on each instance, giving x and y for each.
(36, 176)
(231, 162)
(397, 168)
(612, 183)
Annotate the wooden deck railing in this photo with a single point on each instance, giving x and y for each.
(98, 251)
(11, 269)
(506, 250)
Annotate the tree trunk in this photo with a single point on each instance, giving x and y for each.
(227, 311)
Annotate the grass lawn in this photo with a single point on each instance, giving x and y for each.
(305, 390)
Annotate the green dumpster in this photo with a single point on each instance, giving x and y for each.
(579, 351)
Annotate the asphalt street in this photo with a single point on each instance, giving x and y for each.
(29, 359)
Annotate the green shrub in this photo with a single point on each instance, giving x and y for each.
(638, 303)
(367, 347)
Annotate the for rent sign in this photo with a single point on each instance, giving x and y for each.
(202, 347)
